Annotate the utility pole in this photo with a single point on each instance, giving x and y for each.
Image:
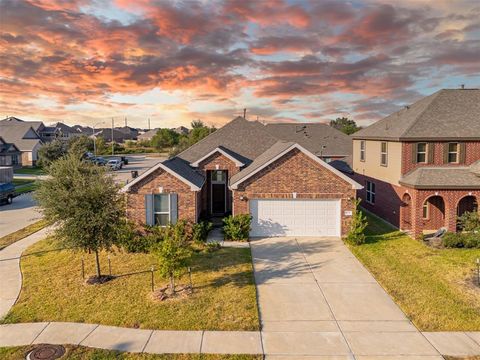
(245, 113)
(148, 123)
(125, 121)
(113, 143)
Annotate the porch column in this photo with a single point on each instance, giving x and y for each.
(416, 202)
(451, 213)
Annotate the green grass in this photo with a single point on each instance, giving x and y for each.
(26, 188)
(22, 233)
(224, 295)
(34, 170)
(436, 288)
(19, 182)
(84, 353)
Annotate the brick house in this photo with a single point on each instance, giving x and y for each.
(278, 173)
(420, 166)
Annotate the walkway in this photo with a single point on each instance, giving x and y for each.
(316, 302)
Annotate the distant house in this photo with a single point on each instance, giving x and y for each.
(10, 155)
(24, 136)
(147, 136)
(83, 130)
(130, 133)
(58, 131)
(182, 130)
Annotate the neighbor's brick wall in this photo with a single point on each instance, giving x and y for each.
(170, 184)
(472, 154)
(211, 163)
(298, 173)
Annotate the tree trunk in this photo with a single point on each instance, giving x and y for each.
(97, 261)
(172, 283)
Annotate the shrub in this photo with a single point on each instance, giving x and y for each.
(356, 234)
(201, 230)
(237, 227)
(465, 240)
(469, 221)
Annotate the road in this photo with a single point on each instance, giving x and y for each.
(23, 211)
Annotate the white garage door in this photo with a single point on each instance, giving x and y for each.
(295, 217)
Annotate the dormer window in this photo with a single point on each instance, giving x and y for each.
(421, 155)
(453, 150)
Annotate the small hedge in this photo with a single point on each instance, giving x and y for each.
(461, 240)
(237, 228)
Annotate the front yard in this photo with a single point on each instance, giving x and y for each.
(84, 353)
(224, 296)
(436, 288)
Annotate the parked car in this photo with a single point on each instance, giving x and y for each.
(99, 161)
(124, 160)
(7, 193)
(114, 164)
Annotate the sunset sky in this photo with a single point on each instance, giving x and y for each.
(175, 61)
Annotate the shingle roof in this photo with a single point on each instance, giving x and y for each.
(244, 138)
(21, 134)
(446, 114)
(36, 125)
(442, 177)
(320, 139)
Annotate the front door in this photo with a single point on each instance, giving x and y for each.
(218, 181)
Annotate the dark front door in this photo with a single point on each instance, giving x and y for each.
(218, 180)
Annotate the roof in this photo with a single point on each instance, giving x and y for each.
(36, 125)
(320, 139)
(247, 139)
(448, 114)
(7, 148)
(278, 150)
(443, 177)
(148, 135)
(178, 168)
(21, 134)
(237, 159)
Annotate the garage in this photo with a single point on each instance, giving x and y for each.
(295, 217)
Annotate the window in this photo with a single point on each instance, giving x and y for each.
(362, 150)
(218, 176)
(383, 154)
(14, 159)
(425, 210)
(421, 152)
(453, 152)
(370, 188)
(327, 160)
(161, 209)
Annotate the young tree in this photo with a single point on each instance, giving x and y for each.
(345, 125)
(85, 204)
(50, 152)
(173, 251)
(79, 145)
(356, 235)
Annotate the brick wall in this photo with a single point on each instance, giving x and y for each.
(295, 172)
(170, 184)
(472, 154)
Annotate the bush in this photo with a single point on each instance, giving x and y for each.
(356, 234)
(201, 230)
(465, 240)
(469, 221)
(237, 227)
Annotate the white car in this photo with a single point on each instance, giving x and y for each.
(114, 164)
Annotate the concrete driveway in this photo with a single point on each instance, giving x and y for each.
(19, 214)
(316, 299)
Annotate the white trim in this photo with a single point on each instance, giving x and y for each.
(160, 165)
(223, 152)
(354, 184)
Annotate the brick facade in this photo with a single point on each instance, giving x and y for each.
(472, 154)
(295, 172)
(187, 199)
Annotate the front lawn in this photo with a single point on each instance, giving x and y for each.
(85, 353)
(436, 288)
(34, 170)
(224, 295)
(19, 182)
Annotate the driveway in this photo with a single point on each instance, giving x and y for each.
(20, 213)
(316, 299)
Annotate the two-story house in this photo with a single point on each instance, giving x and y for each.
(420, 166)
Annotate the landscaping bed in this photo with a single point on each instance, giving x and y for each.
(223, 298)
(84, 353)
(436, 288)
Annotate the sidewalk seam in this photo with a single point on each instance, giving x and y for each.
(41, 331)
(146, 343)
(90, 333)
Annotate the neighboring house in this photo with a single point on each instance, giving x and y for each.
(10, 155)
(272, 172)
(148, 135)
(129, 132)
(420, 166)
(182, 130)
(106, 134)
(58, 131)
(25, 138)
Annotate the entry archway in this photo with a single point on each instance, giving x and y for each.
(433, 213)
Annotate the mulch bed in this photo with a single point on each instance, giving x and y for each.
(164, 293)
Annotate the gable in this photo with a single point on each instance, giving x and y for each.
(159, 178)
(295, 172)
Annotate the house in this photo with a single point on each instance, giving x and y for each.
(10, 155)
(148, 135)
(275, 173)
(58, 131)
(130, 133)
(420, 166)
(181, 130)
(108, 135)
(23, 135)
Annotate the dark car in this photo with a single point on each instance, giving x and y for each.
(7, 193)
(99, 161)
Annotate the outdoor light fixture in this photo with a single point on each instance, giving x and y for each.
(160, 189)
(243, 198)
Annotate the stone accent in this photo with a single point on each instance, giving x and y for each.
(295, 172)
(170, 184)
